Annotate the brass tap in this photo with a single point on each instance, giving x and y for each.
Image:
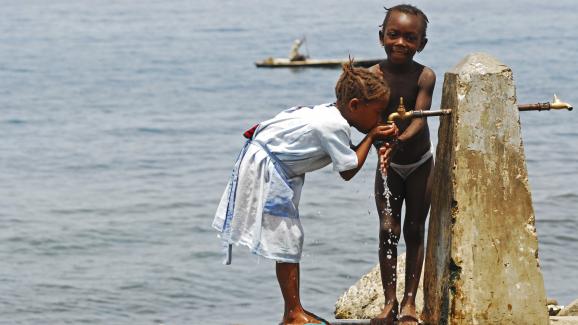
(558, 104)
(401, 107)
(400, 114)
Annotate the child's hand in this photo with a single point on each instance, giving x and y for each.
(384, 157)
(383, 131)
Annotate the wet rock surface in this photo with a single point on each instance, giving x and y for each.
(570, 310)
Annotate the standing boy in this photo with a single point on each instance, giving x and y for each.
(409, 174)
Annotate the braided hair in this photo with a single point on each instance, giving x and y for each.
(406, 9)
(359, 83)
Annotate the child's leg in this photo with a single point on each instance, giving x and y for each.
(389, 233)
(417, 199)
(288, 278)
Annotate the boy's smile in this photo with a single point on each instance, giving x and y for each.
(402, 37)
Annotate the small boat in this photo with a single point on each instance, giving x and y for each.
(312, 63)
(298, 60)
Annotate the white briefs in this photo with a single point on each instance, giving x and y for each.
(405, 170)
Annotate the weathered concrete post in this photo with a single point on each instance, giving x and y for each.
(482, 254)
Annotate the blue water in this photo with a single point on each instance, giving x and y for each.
(120, 121)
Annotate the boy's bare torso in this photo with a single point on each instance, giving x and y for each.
(405, 84)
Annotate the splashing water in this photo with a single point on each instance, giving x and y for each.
(386, 194)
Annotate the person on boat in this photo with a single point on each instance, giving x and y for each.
(294, 54)
(407, 170)
(259, 208)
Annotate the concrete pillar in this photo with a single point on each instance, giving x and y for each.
(482, 253)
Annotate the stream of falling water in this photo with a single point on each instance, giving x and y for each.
(387, 210)
(386, 193)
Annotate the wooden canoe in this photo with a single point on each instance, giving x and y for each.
(312, 63)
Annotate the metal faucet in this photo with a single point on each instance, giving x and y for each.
(403, 114)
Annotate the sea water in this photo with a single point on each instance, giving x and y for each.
(121, 121)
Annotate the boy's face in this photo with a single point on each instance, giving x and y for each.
(365, 115)
(402, 36)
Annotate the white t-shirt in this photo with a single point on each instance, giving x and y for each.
(309, 138)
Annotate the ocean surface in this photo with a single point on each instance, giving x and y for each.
(120, 122)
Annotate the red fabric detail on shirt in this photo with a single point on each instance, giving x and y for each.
(249, 133)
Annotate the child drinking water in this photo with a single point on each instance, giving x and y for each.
(409, 174)
(259, 208)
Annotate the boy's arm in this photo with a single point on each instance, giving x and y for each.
(426, 84)
(362, 149)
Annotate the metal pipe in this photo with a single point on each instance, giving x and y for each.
(555, 104)
(402, 114)
(534, 107)
(416, 114)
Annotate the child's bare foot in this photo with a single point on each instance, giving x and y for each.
(387, 316)
(408, 315)
(321, 320)
(300, 318)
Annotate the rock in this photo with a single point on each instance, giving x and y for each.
(365, 300)
(551, 301)
(568, 320)
(570, 310)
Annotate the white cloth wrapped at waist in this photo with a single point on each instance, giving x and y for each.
(268, 202)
